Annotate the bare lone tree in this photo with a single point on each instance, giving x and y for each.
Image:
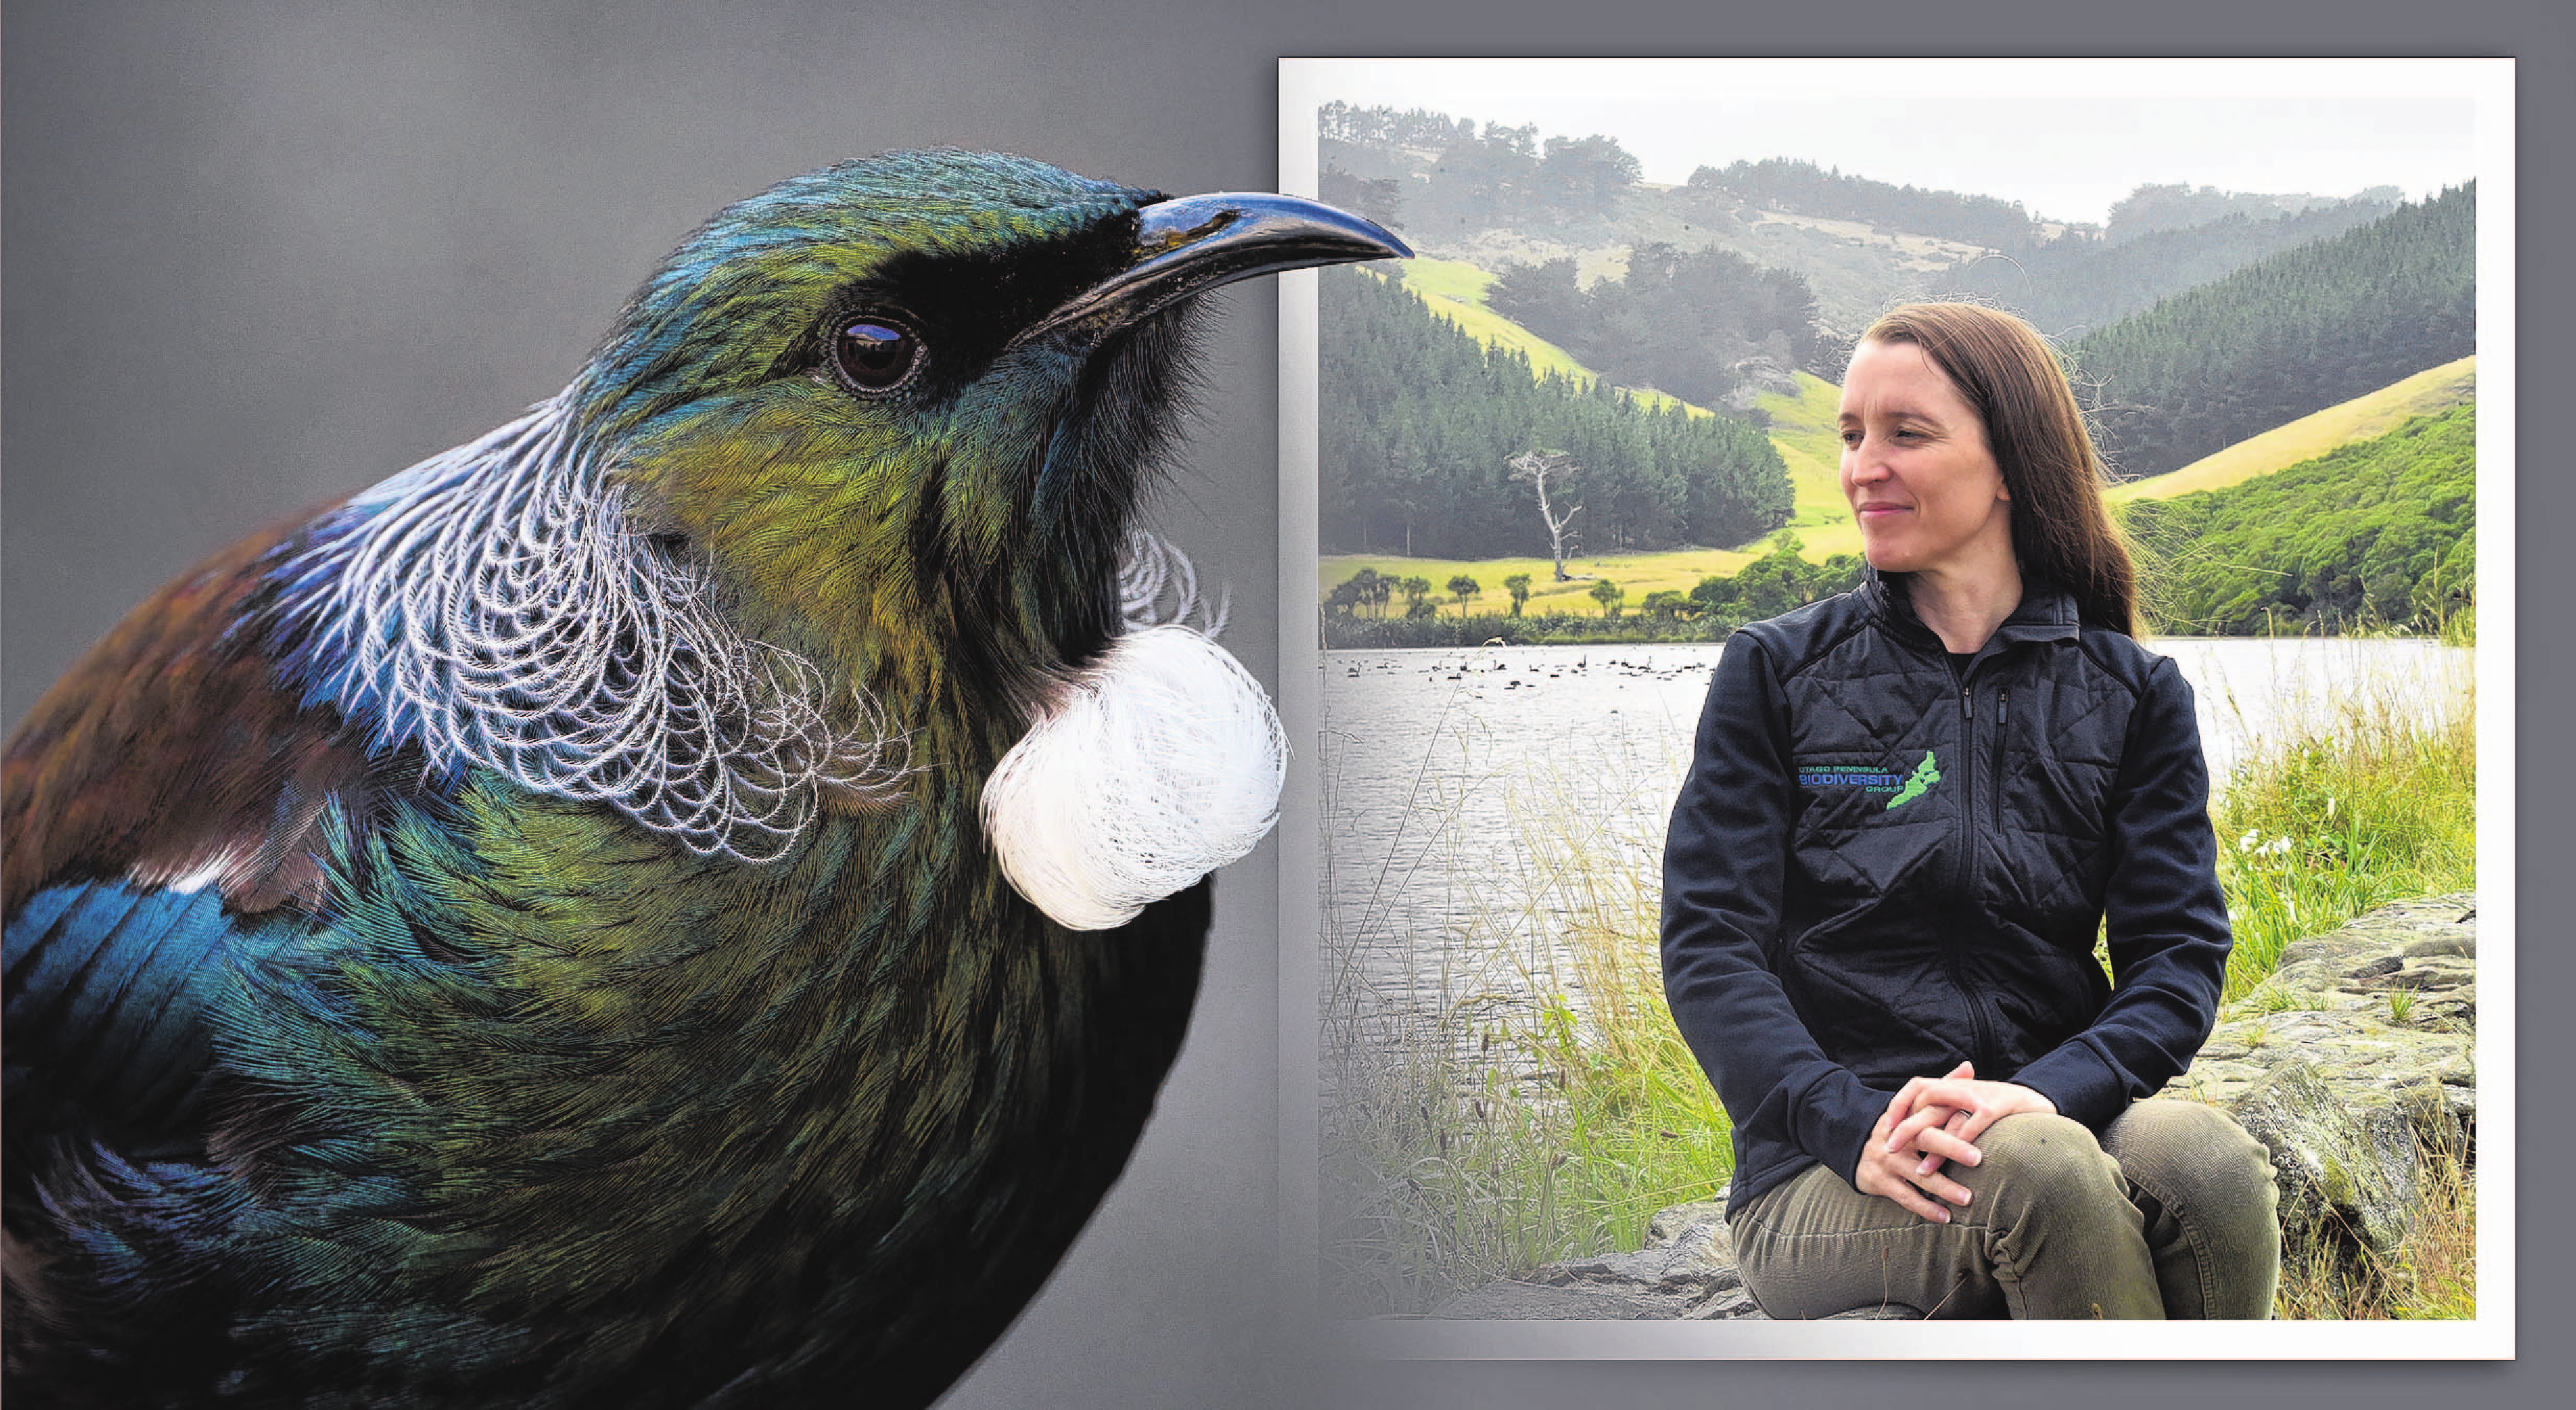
(1532, 467)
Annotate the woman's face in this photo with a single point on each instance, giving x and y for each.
(1916, 468)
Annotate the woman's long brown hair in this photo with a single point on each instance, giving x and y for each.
(2061, 530)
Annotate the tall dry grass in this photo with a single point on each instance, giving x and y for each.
(2431, 1276)
(1528, 1098)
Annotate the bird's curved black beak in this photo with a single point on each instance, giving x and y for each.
(1190, 244)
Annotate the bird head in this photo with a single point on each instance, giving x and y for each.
(856, 466)
(902, 410)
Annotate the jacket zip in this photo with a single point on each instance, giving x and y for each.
(1982, 1052)
(1967, 785)
(2003, 702)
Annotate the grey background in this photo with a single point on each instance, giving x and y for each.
(261, 254)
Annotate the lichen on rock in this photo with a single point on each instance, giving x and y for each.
(2350, 1093)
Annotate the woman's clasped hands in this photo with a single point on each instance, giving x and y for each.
(1932, 1122)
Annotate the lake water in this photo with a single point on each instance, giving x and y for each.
(1474, 801)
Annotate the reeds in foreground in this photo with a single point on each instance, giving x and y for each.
(1542, 1104)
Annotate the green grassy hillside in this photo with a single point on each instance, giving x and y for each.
(2377, 534)
(2370, 414)
(1802, 427)
(1455, 290)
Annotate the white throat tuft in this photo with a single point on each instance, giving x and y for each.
(1156, 765)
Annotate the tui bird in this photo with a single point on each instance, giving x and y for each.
(685, 900)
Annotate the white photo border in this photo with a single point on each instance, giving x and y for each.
(1305, 85)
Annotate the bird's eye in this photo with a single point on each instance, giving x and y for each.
(873, 357)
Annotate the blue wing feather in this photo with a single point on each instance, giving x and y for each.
(111, 983)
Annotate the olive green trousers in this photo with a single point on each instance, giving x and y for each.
(2169, 1215)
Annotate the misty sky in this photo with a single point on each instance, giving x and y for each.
(2066, 138)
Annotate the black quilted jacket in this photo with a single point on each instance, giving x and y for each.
(1882, 863)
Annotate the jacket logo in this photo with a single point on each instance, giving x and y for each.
(1903, 788)
(1920, 783)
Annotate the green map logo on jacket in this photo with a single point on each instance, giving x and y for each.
(1819, 777)
(1925, 775)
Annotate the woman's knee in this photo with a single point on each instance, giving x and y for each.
(2046, 1160)
(2192, 1154)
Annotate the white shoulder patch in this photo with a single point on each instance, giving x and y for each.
(1157, 765)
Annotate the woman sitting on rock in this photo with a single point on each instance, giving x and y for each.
(1911, 809)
